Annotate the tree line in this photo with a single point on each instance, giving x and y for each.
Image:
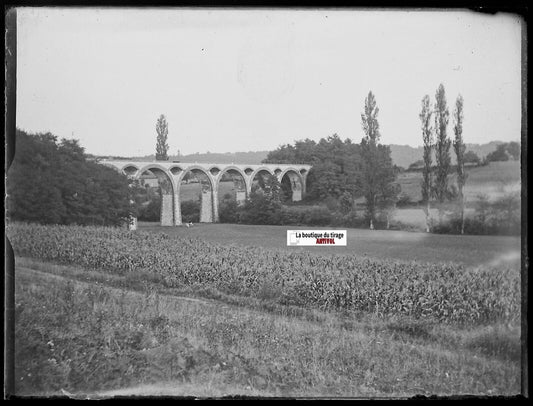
(52, 181)
(344, 170)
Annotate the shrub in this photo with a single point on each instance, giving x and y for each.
(152, 211)
(317, 216)
(292, 215)
(228, 211)
(190, 211)
(404, 200)
(332, 203)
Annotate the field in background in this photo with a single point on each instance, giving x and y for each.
(468, 250)
(494, 180)
(191, 191)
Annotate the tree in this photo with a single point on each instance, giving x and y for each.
(471, 158)
(513, 149)
(505, 151)
(346, 203)
(264, 204)
(377, 170)
(387, 199)
(427, 137)
(335, 165)
(442, 148)
(54, 183)
(460, 147)
(161, 148)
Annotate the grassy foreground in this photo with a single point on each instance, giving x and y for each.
(96, 334)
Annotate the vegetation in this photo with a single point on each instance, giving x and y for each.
(53, 182)
(161, 148)
(470, 157)
(504, 152)
(427, 137)
(141, 340)
(377, 172)
(500, 216)
(264, 204)
(442, 292)
(459, 147)
(442, 148)
(336, 165)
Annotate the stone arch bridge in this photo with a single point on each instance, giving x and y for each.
(171, 176)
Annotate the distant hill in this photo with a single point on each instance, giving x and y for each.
(402, 155)
(251, 157)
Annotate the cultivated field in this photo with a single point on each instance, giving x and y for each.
(469, 250)
(494, 180)
(111, 312)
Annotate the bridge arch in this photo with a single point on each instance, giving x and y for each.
(207, 189)
(167, 192)
(292, 183)
(239, 189)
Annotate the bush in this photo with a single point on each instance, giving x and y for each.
(190, 211)
(228, 211)
(292, 215)
(317, 216)
(152, 211)
(404, 200)
(332, 203)
(500, 217)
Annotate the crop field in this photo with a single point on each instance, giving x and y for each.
(106, 311)
(494, 180)
(470, 250)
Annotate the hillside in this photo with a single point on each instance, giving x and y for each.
(402, 155)
(251, 157)
(405, 155)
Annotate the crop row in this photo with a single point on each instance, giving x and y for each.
(444, 292)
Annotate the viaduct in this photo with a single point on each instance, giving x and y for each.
(171, 176)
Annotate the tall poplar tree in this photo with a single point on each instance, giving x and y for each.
(460, 147)
(427, 137)
(377, 170)
(442, 148)
(161, 148)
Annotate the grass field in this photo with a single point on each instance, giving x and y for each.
(148, 314)
(467, 250)
(191, 191)
(90, 334)
(494, 180)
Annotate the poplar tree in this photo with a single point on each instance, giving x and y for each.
(459, 147)
(427, 137)
(442, 148)
(377, 170)
(161, 148)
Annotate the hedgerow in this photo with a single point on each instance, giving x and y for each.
(445, 292)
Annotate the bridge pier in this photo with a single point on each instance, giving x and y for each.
(206, 207)
(167, 209)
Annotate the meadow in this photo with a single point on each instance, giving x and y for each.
(109, 312)
(469, 250)
(493, 180)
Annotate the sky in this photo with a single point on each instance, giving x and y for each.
(232, 80)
